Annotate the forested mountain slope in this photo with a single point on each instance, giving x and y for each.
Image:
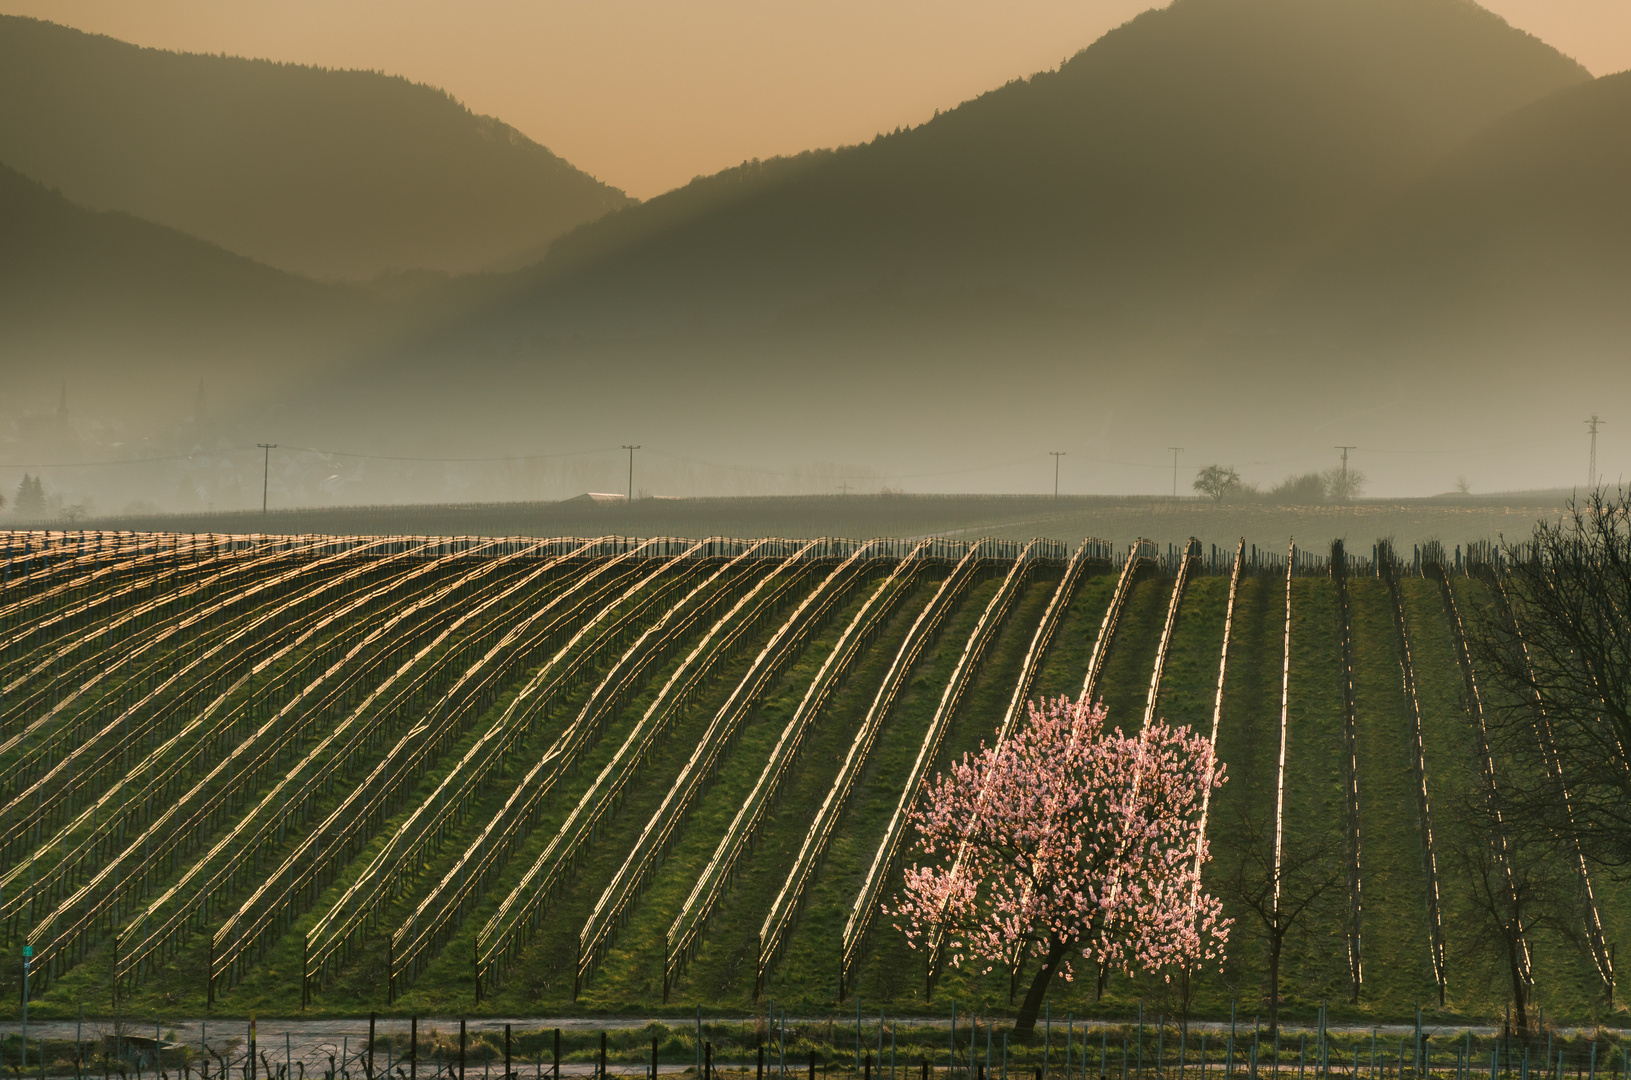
(1069, 244)
(325, 173)
(1523, 234)
(1181, 162)
(131, 315)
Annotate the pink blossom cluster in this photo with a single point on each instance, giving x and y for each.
(1073, 835)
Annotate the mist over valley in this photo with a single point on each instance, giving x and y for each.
(1255, 229)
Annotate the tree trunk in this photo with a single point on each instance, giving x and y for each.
(1015, 975)
(1519, 990)
(1025, 1024)
(1274, 984)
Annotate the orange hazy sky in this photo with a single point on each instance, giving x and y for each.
(646, 94)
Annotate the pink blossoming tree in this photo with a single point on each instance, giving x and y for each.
(1071, 839)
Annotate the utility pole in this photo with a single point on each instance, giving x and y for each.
(1591, 427)
(266, 469)
(1345, 450)
(631, 450)
(1057, 454)
(1176, 450)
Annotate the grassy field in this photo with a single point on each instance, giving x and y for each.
(1065, 663)
(1190, 680)
(1567, 982)
(719, 980)
(1248, 745)
(723, 971)
(1125, 681)
(1315, 804)
(1118, 519)
(1456, 785)
(1398, 968)
(808, 975)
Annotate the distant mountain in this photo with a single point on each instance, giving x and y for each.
(1180, 164)
(1058, 260)
(334, 174)
(1254, 228)
(1519, 243)
(131, 315)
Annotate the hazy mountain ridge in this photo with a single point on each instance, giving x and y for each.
(1526, 230)
(53, 245)
(322, 172)
(1259, 224)
(1183, 162)
(132, 314)
(1076, 246)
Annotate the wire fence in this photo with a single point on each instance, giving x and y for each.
(771, 1044)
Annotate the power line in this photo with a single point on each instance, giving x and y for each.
(195, 454)
(590, 452)
(189, 456)
(834, 476)
(95, 464)
(406, 457)
(1487, 448)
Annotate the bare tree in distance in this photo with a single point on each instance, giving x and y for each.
(1557, 644)
(1312, 863)
(1343, 484)
(1304, 490)
(1218, 482)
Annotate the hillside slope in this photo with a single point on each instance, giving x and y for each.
(1522, 238)
(960, 293)
(130, 315)
(326, 173)
(476, 866)
(1182, 161)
